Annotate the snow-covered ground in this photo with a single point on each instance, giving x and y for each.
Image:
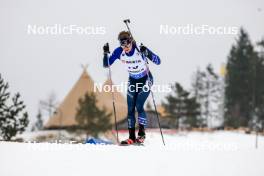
(185, 154)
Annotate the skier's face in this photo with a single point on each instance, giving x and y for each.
(126, 44)
(127, 48)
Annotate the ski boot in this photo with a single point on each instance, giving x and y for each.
(141, 135)
(132, 137)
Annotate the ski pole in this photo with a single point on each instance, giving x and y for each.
(126, 21)
(113, 97)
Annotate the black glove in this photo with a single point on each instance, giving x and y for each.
(106, 48)
(142, 48)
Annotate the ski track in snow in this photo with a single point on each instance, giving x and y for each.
(186, 154)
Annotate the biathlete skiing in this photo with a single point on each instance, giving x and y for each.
(134, 60)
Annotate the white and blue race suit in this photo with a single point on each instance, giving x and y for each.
(139, 75)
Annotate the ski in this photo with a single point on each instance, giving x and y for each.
(134, 144)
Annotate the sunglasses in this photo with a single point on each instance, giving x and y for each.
(125, 42)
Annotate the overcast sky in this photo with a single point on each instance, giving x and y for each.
(36, 65)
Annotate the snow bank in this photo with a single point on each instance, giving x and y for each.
(195, 153)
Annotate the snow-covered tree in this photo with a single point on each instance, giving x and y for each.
(206, 89)
(13, 118)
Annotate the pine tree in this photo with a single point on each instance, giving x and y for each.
(12, 118)
(206, 90)
(192, 113)
(180, 105)
(90, 118)
(174, 104)
(259, 86)
(240, 82)
(212, 96)
(198, 91)
(39, 123)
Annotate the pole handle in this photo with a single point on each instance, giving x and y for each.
(127, 21)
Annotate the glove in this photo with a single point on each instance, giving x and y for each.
(106, 48)
(142, 48)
